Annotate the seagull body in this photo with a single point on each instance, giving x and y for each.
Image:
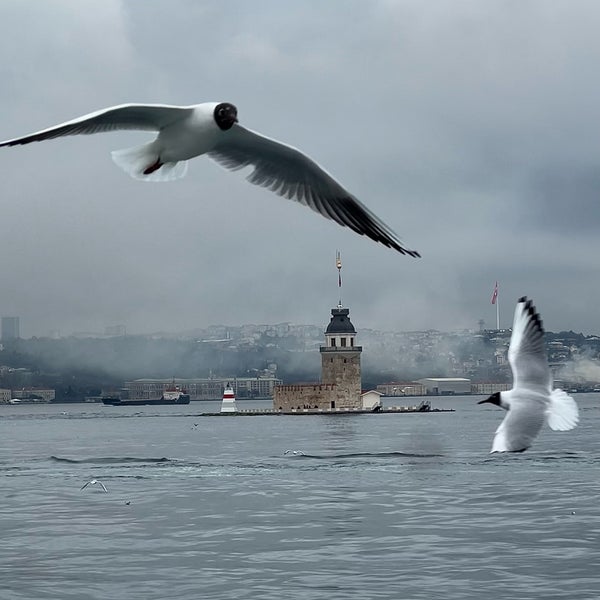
(94, 482)
(212, 128)
(531, 401)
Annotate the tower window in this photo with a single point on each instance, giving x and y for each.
(352, 342)
(333, 342)
(343, 341)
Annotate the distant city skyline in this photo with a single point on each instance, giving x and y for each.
(225, 330)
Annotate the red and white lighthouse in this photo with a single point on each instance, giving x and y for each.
(228, 403)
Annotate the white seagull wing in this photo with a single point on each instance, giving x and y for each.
(150, 117)
(103, 486)
(84, 485)
(520, 426)
(562, 411)
(527, 351)
(289, 173)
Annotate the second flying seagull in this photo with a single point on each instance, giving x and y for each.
(531, 401)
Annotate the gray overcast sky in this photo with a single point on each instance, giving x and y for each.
(471, 128)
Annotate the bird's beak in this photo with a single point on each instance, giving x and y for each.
(483, 401)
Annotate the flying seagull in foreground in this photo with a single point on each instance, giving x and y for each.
(94, 482)
(531, 401)
(212, 128)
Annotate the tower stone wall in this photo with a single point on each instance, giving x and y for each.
(340, 385)
(342, 368)
(340, 358)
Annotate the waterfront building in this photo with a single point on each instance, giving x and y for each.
(9, 328)
(446, 386)
(204, 389)
(488, 389)
(436, 386)
(402, 388)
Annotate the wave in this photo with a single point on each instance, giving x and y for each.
(364, 455)
(112, 460)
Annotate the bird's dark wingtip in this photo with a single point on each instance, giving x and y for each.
(404, 251)
(532, 312)
(15, 143)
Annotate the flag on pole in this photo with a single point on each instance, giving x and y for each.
(495, 293)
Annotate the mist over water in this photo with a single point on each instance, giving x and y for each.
(376, 506)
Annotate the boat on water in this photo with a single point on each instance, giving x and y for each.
(28, 401)
(174, 394)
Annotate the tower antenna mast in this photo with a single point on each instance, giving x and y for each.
(338, 264)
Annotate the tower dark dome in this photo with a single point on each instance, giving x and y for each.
(340, 322)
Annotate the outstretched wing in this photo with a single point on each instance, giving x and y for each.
(527, 351)
(151, 117)
(293, 175)
(519, 428)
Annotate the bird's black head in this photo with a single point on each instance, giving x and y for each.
(493, 399)
(225, 115)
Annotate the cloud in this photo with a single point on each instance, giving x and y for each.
(471, 128)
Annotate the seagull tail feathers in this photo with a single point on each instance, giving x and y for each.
(136, 161)
(562, 411)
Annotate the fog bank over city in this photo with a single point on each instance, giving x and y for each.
(285, 351)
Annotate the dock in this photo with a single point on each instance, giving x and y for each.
(261, 412)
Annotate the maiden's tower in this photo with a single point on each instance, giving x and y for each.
(340, 385)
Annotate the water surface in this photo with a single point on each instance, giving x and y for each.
(394, 506)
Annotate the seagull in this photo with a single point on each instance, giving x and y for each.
(94, 482)
(531, 401)
(295, 452)
(212, 128)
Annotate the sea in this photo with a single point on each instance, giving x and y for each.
(320, 507)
